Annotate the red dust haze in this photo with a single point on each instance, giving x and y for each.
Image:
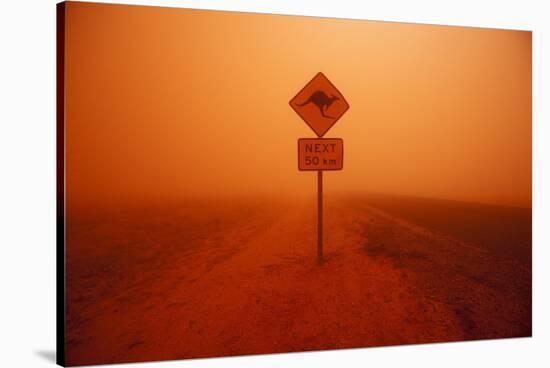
(191, 233)
(173, 103)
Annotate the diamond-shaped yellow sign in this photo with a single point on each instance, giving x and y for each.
(319, 104)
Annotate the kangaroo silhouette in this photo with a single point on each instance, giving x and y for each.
(322, 101)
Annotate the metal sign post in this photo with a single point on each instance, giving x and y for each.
(320, 105)
(320, 216)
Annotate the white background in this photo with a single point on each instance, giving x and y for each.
(27, 182)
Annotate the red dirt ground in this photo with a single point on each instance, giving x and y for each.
(203, 279)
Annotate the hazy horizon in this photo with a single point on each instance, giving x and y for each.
(178, 103)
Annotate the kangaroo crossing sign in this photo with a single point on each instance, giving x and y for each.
(320, 105)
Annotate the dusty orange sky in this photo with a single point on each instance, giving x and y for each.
(170, 103)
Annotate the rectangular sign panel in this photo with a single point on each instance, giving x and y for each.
(320, 154)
